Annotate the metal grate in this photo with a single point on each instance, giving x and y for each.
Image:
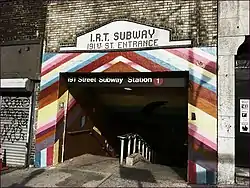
(15, 122)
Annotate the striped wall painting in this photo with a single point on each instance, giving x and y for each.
(201, 64)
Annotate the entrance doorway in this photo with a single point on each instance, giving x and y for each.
(151, 105)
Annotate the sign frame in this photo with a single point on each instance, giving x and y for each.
(121, 79)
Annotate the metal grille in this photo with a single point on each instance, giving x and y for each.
(15, 122)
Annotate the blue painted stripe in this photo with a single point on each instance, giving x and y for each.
(73, 69)
(47, 56)
(44, 157)
(211, 50)
(38, 159)
(200, 175)
(46, 143)
(211, 177)
(172, 68)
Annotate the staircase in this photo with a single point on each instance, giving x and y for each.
(134, 148)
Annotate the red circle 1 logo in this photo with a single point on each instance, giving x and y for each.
(158, 81)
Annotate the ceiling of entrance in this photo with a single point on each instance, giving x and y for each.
(141, 96)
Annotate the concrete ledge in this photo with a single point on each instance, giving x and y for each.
(133, 159)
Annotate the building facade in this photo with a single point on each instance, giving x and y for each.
(201, 37)
(66, 50)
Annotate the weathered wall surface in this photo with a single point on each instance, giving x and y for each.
(232, 27)
(22, 20)
(190, 19)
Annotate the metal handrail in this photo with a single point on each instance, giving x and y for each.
(141, 146)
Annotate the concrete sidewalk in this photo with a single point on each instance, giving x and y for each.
(96, 171)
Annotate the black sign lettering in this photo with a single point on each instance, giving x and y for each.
(123, 40)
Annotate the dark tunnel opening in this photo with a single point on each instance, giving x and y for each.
(158, 115)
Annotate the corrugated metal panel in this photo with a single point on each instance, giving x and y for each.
(15, 122)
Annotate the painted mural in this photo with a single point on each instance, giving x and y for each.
(201, 64)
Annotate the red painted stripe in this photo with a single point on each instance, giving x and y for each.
(144, 62)
(88, 68)
(191, 172)
(50, 155)
(193, 58)
(199, 90)
(60, 116)
(64, 60)
(202, 92)
(99, 62)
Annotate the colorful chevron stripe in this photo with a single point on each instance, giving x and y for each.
(201, 64)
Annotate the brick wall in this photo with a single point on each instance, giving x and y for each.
(188, 19)
(22, 19)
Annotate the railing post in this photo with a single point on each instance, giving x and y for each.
(129, 145)
(146, 152)
(139, 146)
(149, 155)
(122, 149)
(143, 148)
(134, 144)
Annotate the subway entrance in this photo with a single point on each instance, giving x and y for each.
(123, 114)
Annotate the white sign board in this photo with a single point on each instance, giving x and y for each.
(244, 115)
(124, 35)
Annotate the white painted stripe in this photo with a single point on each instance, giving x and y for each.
(204, 54)
(52, 59)
(184, 65)
(132, 64)
(140, 68)
(201, 177)
(123, 60)
(44, 157)
(66, 66)
(13, 83)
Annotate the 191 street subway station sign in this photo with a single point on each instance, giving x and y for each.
(124, 35)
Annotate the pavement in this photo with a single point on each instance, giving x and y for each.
(96, 171)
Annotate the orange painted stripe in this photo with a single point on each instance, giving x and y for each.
(204, 105)
(197, 91)
(40, 139)
(120, 67)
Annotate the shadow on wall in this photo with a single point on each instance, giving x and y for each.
(199, 153)
(85, 137)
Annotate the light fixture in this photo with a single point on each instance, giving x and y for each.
(127, 88)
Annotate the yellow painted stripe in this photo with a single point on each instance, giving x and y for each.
(56, 153)
(49, 112)
(206, 124)
(71, 98)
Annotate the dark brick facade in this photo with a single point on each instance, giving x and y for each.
(187, 19)
(22, 20)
